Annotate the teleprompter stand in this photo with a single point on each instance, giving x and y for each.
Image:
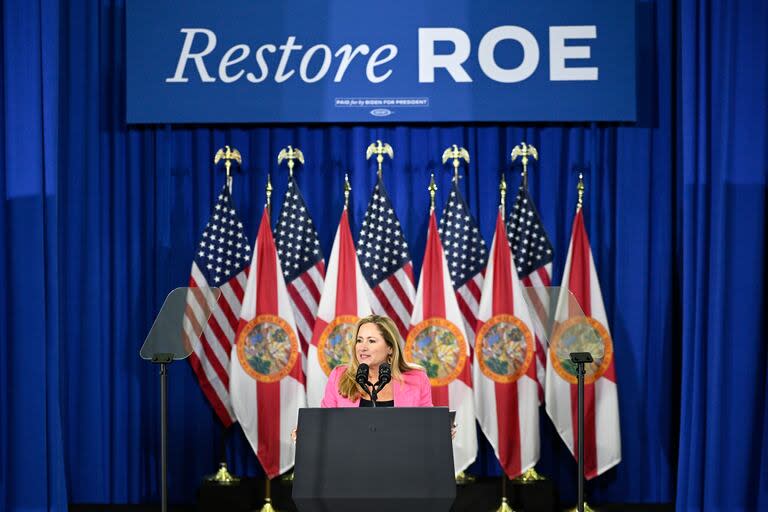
(170, 339)
(374, 459)
(580, 359)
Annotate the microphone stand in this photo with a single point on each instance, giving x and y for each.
(373, 392)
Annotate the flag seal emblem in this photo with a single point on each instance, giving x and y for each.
(581, 334)
(336, 341)
(439, 347)
(504, 348)
(267, 348)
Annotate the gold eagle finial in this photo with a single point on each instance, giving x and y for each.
(379, 149)
(456, 153)
(524, 150)
(290, 153)
(228, 154)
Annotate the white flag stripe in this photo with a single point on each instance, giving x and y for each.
(232, 301)
(469, 298)
(244, 401)
(218, 351)
(301, 325)
(317, 278)
(293, 398)
(223, 324)
(242, 280)
(607, 425)
(528, 400)
(307, 296)
(376, 306)
(215, 382)
(460, 399)
(204, 288)
(452, 312)
(405, 281)
(316, 378)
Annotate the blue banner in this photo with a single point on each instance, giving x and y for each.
(243, 61)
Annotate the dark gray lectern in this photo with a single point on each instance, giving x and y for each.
(374, 459)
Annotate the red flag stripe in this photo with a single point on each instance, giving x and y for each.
(474, 286)
(346, 303)
(310, 280)
(215, 362)
(238, 285)
(212, 395)
(268, 399)
(300, 306)
(508, 418)
(389, 310)
(268, 394)
(433, 297)
(440, 396)
(400, 292)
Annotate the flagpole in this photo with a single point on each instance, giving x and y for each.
(580, 358)
(524, 150)
(222, 475)
(347, 189)
(504, 506)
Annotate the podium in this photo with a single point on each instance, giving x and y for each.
(374, 459)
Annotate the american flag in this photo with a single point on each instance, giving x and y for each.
(385, 260)
(301, 259)
(467, 256)
(533, 254)
(221, 260)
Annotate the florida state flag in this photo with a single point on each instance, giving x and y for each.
(506, 385)
(343, 302)
(266, 382)
(583, 333)
(437, 341)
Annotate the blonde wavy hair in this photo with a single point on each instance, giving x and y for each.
(348, 388)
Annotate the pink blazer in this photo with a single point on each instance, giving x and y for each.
(413, 391)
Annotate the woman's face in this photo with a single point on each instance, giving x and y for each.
(370, 347)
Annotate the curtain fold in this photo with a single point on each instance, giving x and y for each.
(723, 128)
(31, 438)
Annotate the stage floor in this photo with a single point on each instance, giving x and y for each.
(483, 495)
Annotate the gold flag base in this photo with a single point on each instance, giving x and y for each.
(587, 508)
(504, 507)
(223, 476)
(268, 507)
(463, 478)
(530, 475)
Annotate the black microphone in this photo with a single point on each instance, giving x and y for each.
(362, 375)
(362, 378)
(385, 374)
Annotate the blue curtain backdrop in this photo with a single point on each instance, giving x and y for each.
(98, 222)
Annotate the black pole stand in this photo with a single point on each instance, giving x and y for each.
(163, 360)
(580, 358)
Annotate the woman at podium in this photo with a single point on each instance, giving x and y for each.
(377, 342)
